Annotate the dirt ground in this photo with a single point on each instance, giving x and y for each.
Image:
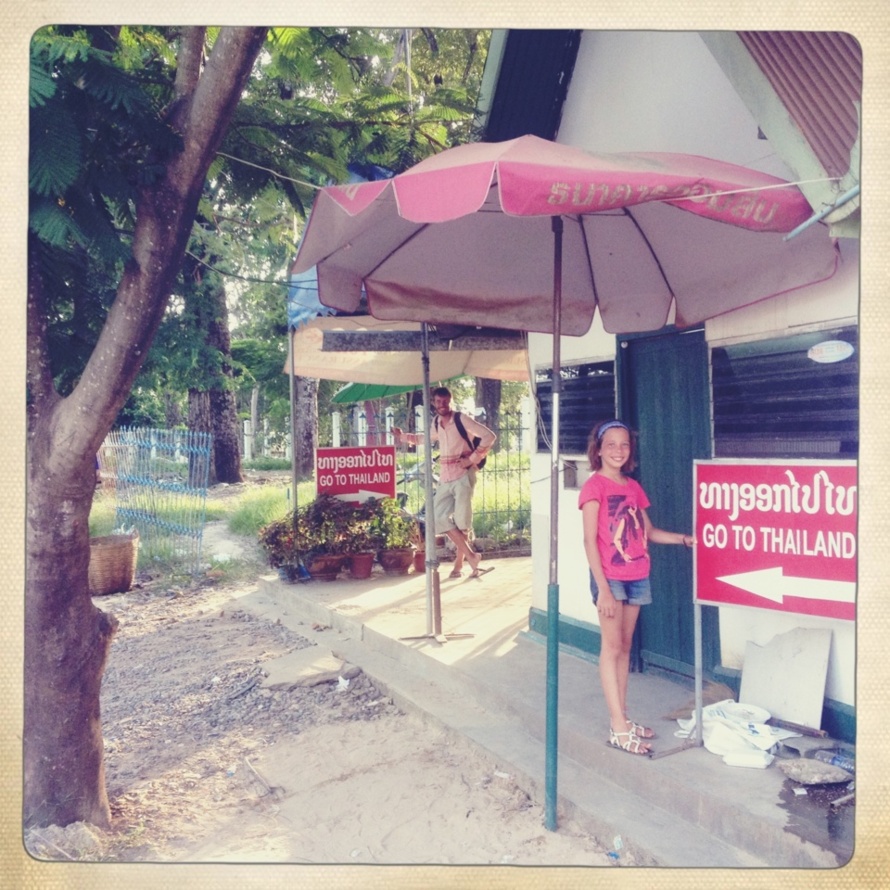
(207, 763)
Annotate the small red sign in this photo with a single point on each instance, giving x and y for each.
(777, 535)
(356, 474)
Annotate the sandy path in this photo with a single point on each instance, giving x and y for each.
(205, 763)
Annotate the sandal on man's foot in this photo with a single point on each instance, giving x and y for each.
(632, 744)
(640, 731)
(456, 573)
(479, 572)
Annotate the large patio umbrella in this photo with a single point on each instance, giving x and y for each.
(465, 236)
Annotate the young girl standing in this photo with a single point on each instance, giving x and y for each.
(617, 532)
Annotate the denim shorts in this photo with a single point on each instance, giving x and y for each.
(634, 593)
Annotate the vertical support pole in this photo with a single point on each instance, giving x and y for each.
(433, 605)
(293, 420)
(699, 735)
(552, 704)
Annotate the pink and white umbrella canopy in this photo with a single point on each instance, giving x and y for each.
(465, 237)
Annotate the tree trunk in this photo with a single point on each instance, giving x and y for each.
(226, 448)
(223, 411)
(172, 410)
(305, 410)
(200, 421)
(67, 638)
(488, 395)
(67, 641)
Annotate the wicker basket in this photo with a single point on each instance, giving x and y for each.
(113, 563)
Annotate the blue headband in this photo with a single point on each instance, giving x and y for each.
(611, 424)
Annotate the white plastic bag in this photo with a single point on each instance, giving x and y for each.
(732, 728)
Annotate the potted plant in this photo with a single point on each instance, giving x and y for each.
(399, 534)
(361, 542)
(313, 537)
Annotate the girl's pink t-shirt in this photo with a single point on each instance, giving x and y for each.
(621, 533)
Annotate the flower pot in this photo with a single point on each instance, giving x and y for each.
(396, 562)
(420, 561)
(326, 566)
(360, 565)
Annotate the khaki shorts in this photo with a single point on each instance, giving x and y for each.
(453, 504)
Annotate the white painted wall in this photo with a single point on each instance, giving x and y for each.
(663, 91)
(659, 91)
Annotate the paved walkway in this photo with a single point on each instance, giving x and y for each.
(487, 680)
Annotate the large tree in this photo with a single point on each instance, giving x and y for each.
(66, 637)
(143, 141)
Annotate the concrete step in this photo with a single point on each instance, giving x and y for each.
(490, 686)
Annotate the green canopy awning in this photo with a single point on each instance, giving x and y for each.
(360, 392)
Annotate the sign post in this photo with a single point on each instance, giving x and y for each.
(774, 534)
(356, 473)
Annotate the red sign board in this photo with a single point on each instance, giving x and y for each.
(356, 474)
(777, 535)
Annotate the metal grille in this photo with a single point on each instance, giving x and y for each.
(587, 397)
(771, 399)
(160, 479)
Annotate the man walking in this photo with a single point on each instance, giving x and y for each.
(458, 459)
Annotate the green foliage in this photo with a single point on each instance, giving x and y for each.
(258, 508)
(267, 463)
(102, 514)
(331, 525)
(97, 135)
(56, 164)
(320, 98)
(394, 527)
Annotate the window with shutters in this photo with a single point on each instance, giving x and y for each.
(586, 397)
(794, 397)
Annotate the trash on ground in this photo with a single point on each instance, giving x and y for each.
(750, 759)
(837, 757)
(813, 772)
(733, 728)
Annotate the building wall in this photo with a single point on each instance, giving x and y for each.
(657, 91)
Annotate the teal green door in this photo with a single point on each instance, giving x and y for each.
(664, 394)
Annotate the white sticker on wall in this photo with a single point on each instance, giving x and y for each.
(829, 351)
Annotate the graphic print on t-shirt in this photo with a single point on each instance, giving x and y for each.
(626, 529)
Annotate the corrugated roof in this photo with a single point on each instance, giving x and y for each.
(818, 77)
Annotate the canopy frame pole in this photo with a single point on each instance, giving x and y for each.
(552, 703)
(433, 606)
(433, 596)
(291, 377)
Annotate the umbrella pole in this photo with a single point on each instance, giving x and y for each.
(433, 605)
(551, 742)
(433, 597)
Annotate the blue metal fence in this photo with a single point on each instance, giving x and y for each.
(160, 479)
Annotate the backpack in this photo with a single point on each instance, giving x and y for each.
(460, 428)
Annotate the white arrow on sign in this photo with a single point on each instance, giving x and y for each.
(773, 584)
(361, 495)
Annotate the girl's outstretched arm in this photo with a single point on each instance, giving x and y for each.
(660, 536)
